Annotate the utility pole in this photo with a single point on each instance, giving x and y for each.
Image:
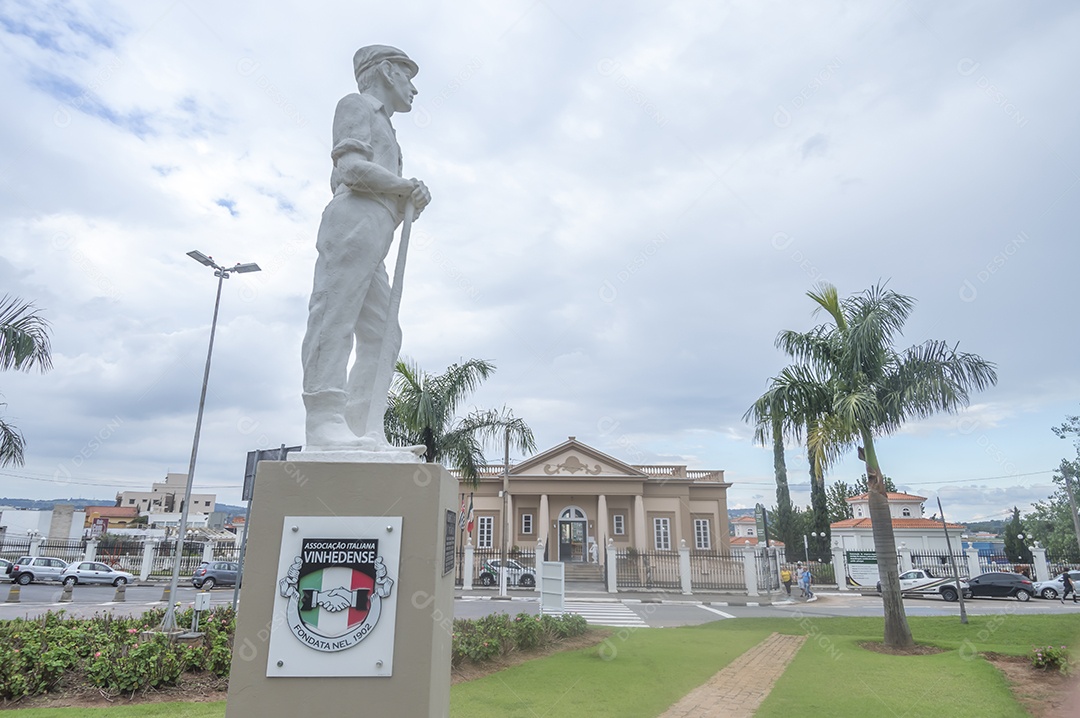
(952, 560)
(507, 522)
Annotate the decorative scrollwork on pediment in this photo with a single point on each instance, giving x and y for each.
(572, 465)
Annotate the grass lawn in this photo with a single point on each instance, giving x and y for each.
(640, 672)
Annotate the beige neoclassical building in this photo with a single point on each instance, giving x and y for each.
(573, 496)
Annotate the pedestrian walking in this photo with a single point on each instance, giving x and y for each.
(785, 578)
(805, 579)
(1069, 588)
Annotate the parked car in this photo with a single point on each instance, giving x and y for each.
(1054, 587)
(997, 584)
(28, 569)
(923, 582)
(94, 572)
(4, 563)
(516, 573)
(216, 573)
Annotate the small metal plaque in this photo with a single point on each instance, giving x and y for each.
(335, 599)
(451, 543)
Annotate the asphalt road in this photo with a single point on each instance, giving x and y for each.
(37, 599)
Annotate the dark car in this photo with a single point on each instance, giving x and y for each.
(217, 573)
(1002, 585)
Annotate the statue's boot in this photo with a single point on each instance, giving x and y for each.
(325, 426)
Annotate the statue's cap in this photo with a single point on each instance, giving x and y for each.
(371, 55)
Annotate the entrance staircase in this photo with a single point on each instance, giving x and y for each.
(583, 573)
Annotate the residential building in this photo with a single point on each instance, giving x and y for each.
(110, 517)
(909, 526)
(167, 497)
(573, 496)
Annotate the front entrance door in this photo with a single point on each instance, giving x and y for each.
(571, 540)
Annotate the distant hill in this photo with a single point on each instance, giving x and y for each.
(996, 526)
(82, 503)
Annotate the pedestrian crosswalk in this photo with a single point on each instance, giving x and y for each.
(605, 614)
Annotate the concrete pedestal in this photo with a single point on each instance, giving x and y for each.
(421, 494)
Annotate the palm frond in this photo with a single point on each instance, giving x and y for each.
(24, 336)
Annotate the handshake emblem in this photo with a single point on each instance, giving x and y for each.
(334, 600)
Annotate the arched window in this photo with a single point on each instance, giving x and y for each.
(906, 513)
(859, 511)
(572, 513)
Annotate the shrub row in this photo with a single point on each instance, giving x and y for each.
(498, 634)
(53, 652)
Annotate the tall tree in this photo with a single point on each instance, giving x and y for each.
(423, 409)
(1051, 523)
(863, 487)
(1016, 549)
(24, 345)
(784, 521)
(871, 389)
(836, 497)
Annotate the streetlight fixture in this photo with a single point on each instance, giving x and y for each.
(168, 623)
(806, 543)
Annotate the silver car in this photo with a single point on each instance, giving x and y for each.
(36, 568)
(1055, 587)
(94, 572)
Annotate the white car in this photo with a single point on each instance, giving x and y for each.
(516, 574)
(1055, 587)
(921, 582)
(94, 572)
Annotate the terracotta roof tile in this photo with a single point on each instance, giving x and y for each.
(897, 524)
(892, 496)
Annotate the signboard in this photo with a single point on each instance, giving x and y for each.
(335, 600)
(253, 459)
(450, 542)
(762, 524)
(862, 568)
(98, 526)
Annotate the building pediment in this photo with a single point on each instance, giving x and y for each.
(573, 459)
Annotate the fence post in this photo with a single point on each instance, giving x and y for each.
(1042, 572)
(612, 567)
(972, 561)
(684, 567)
(467, 566)
(905, 558)
(538, 564)
(840, 567)
(91, 550)
(35, 545)
(147, 559)
(208, 551)
(750, 570)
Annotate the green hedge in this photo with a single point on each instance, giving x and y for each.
(52, 653)
(498, 634)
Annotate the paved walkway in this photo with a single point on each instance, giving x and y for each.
(738, 690)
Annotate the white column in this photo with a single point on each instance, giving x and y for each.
(91, 550)
(684, 567)
(147, 559)
(750, 570)
(973, 561)
(544, 519)
(467, 566)
(1042, 571)
(612, 568)
(208, 551)
(641, 534)
(35, 546)
(839, 567)
(905, 558)
(538, 563)
(601, 520)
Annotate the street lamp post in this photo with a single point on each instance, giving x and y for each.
(806, 543)
(168, 623)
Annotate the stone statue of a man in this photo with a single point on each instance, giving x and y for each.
(350, 301)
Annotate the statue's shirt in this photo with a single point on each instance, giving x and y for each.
(362, 125)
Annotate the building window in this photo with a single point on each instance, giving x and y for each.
(859, 511)
(619, 524)
(526, 523)
(662, 534)
(207, 503)
(485, 531)
(749, 531)
(906, 513)
(702, 536)
(131, 501)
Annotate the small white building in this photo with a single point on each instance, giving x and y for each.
(909, 526)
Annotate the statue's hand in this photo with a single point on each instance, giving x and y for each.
(420, 196)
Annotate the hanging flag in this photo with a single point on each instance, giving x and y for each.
(470, 521)
(461, 514)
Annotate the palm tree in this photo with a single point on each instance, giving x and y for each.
(422, 410)
(24, 345)
(850, 368)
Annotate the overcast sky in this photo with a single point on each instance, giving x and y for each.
(629, 203)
